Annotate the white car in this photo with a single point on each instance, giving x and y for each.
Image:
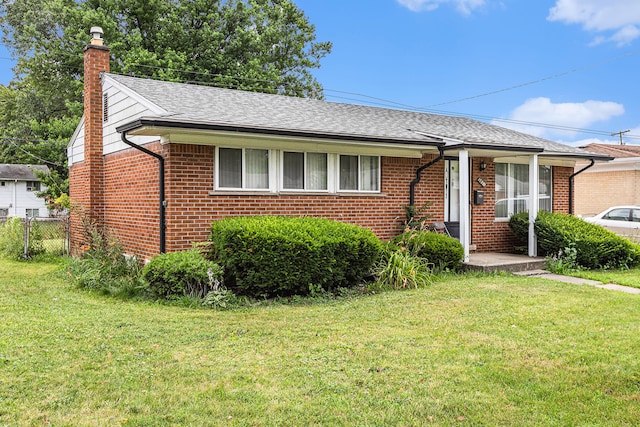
(624, 220)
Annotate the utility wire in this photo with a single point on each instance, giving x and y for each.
(533, 82)
(390, 103)
(12, 142)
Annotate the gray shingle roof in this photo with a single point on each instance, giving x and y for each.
(20, 172)
(187, 103)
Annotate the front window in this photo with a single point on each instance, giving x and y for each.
(243, 168)
(359, 173)
(512, 189)
(304, 171)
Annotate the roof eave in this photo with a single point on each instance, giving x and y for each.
(579, 156)
(226, 127)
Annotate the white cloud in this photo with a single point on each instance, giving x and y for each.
(619, 20)
(568, 115)
(463, 6)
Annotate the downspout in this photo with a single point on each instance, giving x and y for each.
(163, 202)
(571, 185)
(416, 180)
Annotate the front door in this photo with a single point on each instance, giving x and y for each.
(452, 196)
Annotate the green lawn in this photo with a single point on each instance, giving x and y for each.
(493, 350)
(620, 277)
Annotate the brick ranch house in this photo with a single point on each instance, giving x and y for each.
(156, 163)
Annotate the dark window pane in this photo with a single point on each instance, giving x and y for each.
(293, 171)
(230, 164)
(349, 173)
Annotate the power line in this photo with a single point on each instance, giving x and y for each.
(551, 77)
(382, 102)
(388, 103)
(12, 142)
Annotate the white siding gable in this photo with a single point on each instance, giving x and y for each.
(75, 149)
(124, 106)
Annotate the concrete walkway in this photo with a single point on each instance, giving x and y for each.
(543, 274)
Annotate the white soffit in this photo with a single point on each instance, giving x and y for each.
(282, 142)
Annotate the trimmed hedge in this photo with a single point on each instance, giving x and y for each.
(283, 256)
(440, 250)
(181, 274)
(596, 246)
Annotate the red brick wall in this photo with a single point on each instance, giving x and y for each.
(561, 188)
(193, 205)
(132, 199)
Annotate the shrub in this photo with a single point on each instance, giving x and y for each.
(442, 251)
(400, 270)
(105, 267)
(182, 274)
(284, 256)
(560, 235)
(519, 224)
(596, 247)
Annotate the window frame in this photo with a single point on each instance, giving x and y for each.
(524, 198)
(243, 170)
(359, 171)
(33, 186)
(27, 210)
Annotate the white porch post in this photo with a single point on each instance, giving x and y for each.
(465, 214)
(534, 205)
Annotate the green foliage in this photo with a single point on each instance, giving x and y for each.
(185, 273)
(563, 262)
(257, 45)
(105, 267)
(280, 256)
(417, 218)
(596, 246)
(442, 251)
(12, 236)
(519, 224)
(401, 270)
(220, 298)
(57, 189)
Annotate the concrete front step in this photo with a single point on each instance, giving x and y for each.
(491, 262)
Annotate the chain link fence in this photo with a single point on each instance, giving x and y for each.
(34, 236)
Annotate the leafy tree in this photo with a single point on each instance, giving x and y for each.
(256, 45)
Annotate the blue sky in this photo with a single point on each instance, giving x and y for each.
(567, 63)
(428, 53)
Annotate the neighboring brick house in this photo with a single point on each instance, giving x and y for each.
(614, 183)
(228, 152)
(18, 188)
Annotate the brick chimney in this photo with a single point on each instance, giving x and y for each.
(96, 61)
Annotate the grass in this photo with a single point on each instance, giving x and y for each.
(630, 277)
(468, 350)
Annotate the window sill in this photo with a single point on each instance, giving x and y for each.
(293, 193)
